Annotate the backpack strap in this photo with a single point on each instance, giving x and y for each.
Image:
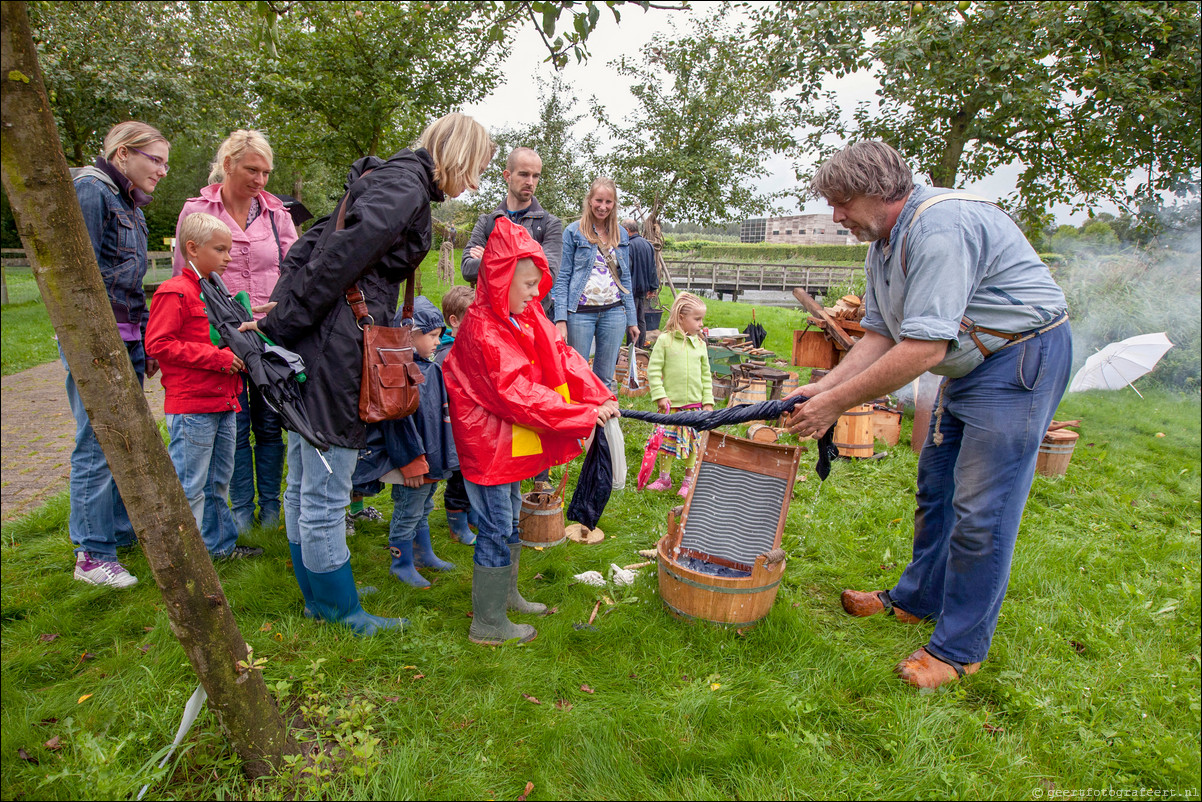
(928, 203)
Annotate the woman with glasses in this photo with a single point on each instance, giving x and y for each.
(111, 195)
(262, 234)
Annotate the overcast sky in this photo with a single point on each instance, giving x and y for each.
(516, 102)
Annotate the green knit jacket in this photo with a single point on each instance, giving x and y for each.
(679, 370)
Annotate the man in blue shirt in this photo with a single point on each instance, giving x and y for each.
(954, 288)
(642, 275)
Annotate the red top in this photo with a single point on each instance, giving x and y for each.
(520, 398)
(197, 375)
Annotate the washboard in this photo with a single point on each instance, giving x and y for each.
(734, 517)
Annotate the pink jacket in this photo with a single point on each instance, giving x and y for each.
(255, 258)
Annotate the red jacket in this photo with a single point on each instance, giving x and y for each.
(520, 398)
(197, 376)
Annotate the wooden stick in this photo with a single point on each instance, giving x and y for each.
(637, 565)
(828, 323)
(593, 617)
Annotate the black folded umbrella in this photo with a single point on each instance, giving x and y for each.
(596, 475)
(276, 372)
(755, 332)
(296, 209)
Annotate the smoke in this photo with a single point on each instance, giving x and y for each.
(1118, 293)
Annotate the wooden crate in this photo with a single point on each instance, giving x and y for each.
(811, 349)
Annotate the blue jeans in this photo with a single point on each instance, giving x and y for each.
(499, 508)
(315, 503)
(260, 467)
(98, 523)
(202, 450)
(411, 508)
(607, 329)
(973, 486)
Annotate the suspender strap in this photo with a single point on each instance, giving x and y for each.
(928, 203)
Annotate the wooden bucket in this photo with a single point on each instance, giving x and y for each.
(853, 432)
(761, 433)
(541, 524)
(789, 385)
(721, 387)
(755, 392)
(727, 601)
(1055, 452)
(886, 424)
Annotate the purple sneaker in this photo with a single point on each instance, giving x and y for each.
(108, 573)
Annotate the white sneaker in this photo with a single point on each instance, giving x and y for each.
(108, 573)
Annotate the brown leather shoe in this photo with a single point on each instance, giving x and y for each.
(864, 603)
(924, 670)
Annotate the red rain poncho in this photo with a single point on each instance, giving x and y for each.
(520, 399)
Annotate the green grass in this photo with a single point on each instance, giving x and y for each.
(1093, 680)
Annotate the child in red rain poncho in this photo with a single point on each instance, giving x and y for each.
(521, 400)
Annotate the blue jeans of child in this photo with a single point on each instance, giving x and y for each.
(411, 508)
(202, 450)
(973, 486)
(315, 503)
(607, 329)
(98, 523)
(498, 507)
(260, 466)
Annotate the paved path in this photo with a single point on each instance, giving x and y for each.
(38, 434)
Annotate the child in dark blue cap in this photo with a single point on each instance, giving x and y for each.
(422, 447)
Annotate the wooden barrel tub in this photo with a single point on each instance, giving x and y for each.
(1056, 452)
(853, 432)
(541, 524)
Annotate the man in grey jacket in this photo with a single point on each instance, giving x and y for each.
(522, 172)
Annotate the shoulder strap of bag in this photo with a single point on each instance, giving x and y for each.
(354, 295)
(928, 203)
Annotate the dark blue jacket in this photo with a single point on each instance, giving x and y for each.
(642, 266)
(427, 432)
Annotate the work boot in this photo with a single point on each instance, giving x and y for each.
(490, 625)
(423, 550)
(335, 599)
(458, 521)
(515, 602)
(402, 564)
(302, 577)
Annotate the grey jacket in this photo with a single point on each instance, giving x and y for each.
(543, 226)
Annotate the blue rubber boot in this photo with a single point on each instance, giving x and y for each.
(423, 550)
(458, 523)
(402, 564)
(473, 520)
(336, 600)
(302, 577)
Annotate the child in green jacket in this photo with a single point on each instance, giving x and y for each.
(679, 376)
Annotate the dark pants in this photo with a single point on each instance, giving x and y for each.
(260, 466)
(641, 302)
(455, 497)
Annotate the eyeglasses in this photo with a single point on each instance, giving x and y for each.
(155, 160)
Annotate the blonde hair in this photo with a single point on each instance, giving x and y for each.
(131, 134)
(461, 149)
(685, 302)
(199, 228)
(456, 301)
(588, 223)
(864, 169)
(235, 148)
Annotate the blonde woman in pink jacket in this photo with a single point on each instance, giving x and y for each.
(262, 234)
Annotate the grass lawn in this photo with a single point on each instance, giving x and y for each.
(1093, 681)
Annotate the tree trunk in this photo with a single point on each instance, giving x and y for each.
(298, 185)
(944, 175)
(52, 230)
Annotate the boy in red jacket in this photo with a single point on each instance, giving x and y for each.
(521, 400)
(201, 384)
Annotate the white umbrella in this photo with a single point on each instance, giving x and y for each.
(1119, 364)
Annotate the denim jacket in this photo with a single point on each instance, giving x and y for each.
(118, 232)
(579, 256)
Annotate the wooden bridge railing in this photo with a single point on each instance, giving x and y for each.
(738, 277)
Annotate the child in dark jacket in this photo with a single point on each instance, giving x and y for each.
(460, 518)
(521, 400)
(201, 383)
(422, 448)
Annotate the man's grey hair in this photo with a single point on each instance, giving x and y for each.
(630, 225)
(517, 153)
(871, 169)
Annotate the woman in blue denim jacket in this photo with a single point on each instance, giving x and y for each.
(111, 195)
(592, 292)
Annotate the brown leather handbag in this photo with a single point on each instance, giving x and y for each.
(388, 386)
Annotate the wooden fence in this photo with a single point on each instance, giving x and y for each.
(734, 278)
(158, 269)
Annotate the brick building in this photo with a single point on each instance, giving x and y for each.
(798, 229)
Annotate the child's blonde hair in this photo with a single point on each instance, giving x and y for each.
(685, 302)
(199, 228)
(235, 147)
(455, 302)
